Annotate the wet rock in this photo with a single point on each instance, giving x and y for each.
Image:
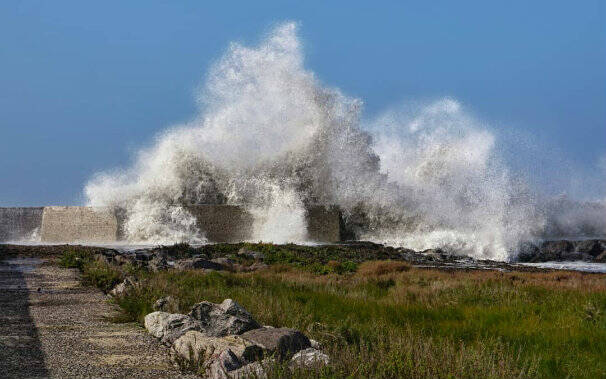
(251, 254)
(281, 342)
(553, 250)
(123, 288)
(436, 255)
(168, 327)
(527, 252)
(309, 358)
(601, 258)
(223, 319)
(216, 356)
(590, 247)
(197, 263)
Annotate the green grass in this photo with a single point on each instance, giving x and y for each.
(391, 321)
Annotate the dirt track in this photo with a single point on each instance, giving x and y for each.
(52, 327)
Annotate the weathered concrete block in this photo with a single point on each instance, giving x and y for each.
(323, 224)
(223, 223)
(20, 223)
(74, 224)
(233, 223)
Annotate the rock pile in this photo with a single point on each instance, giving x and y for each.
(225, 341)
(593, 250)
(157, 259)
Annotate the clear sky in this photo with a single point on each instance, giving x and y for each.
(84, 84)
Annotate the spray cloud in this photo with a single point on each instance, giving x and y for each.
(271, 137)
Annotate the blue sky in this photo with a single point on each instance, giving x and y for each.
(84, 84)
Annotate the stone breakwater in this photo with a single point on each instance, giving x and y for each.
(218, 223)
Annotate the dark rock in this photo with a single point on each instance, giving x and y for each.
(590, 247)
(197, 263)
(436, 255)
(527, 252)
(218, 320)
(601, 258)
(553, 250)
(283, 342)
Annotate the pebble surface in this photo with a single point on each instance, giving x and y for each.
(53, 327)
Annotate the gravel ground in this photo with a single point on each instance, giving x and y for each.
(52, 327)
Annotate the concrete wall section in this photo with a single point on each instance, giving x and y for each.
(20, 224)
(324, 224)
(223, 223)
(79, 224)
(219, 223)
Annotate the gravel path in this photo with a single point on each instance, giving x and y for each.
(52, 327)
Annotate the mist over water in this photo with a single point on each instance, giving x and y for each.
(269, 136)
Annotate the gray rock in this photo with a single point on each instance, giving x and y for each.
(601, 258)
(251, 254)
(215, 356)
(197, 263)
(280, 342)
(590, 247)
(168, 327)
(309, 358)
(553, 250)
(123, 288)
(218, 320)
(165, 304)
(527, 252)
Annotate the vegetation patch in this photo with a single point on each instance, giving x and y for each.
(388, 320)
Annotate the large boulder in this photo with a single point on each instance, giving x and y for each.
(168, 327)
(215, 356)
(280, 342)
(217, 320)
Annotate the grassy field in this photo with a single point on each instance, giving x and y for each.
(387, 320)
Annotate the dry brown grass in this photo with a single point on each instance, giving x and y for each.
(378, 268)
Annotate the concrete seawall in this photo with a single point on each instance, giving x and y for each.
(219, 223)
(20, 223)
(79, 224)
